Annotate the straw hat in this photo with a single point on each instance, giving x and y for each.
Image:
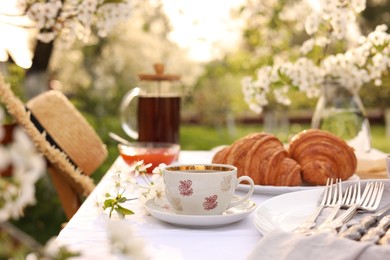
(61, 133)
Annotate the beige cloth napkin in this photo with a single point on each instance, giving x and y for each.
(278, 244)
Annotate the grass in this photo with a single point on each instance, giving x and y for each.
(379, 139)
(205, 138)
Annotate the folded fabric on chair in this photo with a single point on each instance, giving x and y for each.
(61, 133)
(68, 142)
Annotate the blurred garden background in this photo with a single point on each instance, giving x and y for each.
(96, 74)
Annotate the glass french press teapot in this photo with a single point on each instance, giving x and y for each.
(155, 106)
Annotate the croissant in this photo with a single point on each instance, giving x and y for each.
(322, 155)
(262, 157)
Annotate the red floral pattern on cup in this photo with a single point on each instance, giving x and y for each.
(210, 202)
(185, 188)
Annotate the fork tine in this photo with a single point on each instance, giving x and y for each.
(329, 192)
(337, 192)
(352, 194)
(323, 202)
(374, 194)
(379, 195)
(340, 200)
(367, 193)
(336, 203)
(359, 192)
(311, 220)
(347, 191)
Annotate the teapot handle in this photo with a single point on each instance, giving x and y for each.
(129, 130)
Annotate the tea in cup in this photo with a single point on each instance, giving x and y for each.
(203, 189)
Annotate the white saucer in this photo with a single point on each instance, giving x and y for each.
(230, 216)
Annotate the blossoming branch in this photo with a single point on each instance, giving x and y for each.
(18, 190)
(125, 184)
(321, 59)
(73, 19)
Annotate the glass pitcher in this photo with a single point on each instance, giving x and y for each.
(155, 106)
(341, 111)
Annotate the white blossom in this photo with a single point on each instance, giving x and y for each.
(358, 5)
(52, 248)
(155, 190)
(379, 37)
(99, 203)
(339, 21)
(5, 156)
(312, 23)
(328, 6)
(18, 191)
(255, 93)
(125, 243)
(281, 95)
(139, 167)
(308, 45)
(110, 14)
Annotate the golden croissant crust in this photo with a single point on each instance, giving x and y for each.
(322, 155)
(262, 157)
(313, 157)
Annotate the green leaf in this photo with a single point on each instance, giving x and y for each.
(121, 199)
(111, 210)
(64, 253)
(108, 203)
(124, 211)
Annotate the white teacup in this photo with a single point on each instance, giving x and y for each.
(203, 189)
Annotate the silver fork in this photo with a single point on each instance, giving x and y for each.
(350, 197)
(329, 199)
(341, 200)
(368, 201)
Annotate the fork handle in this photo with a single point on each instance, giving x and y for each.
(339, 221)
(331, 216)
(346, 216)
(310, 221)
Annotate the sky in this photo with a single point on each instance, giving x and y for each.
(203, 27)
(14, 39)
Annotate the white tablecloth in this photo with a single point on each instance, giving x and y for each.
(86, 231)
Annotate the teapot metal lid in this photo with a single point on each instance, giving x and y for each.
(159, 76)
